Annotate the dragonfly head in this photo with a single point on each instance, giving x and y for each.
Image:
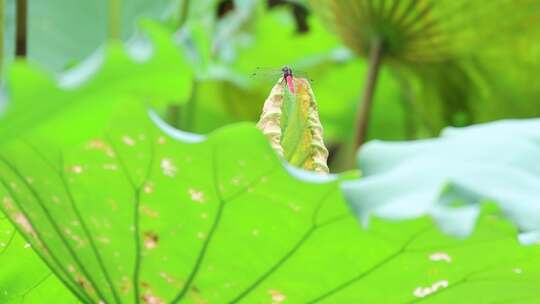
(286, 71)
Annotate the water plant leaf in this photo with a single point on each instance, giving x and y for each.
(425, 31)
(24, 278)
(38, 100)
(142, 215)
(454, 59)
(107, 77)
(463, 167)
(290, 120)
(62, 32)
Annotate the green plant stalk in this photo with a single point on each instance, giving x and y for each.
(181, 116)
(21, 29)
(191, 107)
(183, 13)
(172, 114)
(115, 19)
(366, 101)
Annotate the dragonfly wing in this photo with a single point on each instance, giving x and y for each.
(266, 75)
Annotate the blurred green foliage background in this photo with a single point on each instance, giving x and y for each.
(471, 61)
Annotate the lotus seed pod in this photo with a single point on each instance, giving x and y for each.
(291, 123)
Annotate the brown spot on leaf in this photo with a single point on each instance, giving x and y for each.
(277, 296)
(149, 212)
(25, 224)
(440, 256)
(422, 292)
(128, 140)
(151, 299)
(148, 296)
(148, 187)
(83, 282)
(125, 285)
(77, 169)
(196, 196)
(168, 167)
(8, 202)
(98, 144)
(150, 240)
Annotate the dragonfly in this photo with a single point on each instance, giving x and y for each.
(288, 76)
(285, 72)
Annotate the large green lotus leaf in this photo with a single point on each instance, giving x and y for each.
(139, 214)
(24, 278)
(95, 86)
(36, 99)
(495, 161)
